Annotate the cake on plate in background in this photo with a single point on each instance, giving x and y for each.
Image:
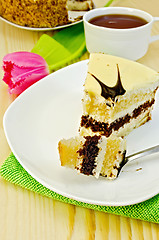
(41, 13)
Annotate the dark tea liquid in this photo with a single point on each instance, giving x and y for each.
(118, 21)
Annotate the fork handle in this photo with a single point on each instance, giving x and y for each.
(143, 153)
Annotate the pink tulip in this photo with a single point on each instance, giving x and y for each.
(22, 69)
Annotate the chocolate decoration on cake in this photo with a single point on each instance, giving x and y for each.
(111, 92)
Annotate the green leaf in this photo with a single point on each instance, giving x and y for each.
(108, 3)
(65, 46)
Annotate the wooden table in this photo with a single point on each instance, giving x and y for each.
(25, 215)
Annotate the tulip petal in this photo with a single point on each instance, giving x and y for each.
(22, 69)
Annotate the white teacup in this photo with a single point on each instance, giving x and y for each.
(131, 43)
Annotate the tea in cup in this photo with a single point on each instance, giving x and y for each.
(119, 31)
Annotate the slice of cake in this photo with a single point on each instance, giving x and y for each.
(93, 155)
(119, 95)
(79, 5)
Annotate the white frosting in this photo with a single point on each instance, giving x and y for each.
(133, 75)
(102, 144)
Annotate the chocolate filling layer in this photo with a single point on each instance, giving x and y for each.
(105, 128)
(89, 152)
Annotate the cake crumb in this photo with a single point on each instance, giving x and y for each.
(138, 169)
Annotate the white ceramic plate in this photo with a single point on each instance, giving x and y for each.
(72, 16)
(49, 111)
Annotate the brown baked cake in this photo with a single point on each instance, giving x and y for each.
(40, 13)
(31, 13)
(93, 155)
(119, 95)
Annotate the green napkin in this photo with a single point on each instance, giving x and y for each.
(13, 172)
(65, 46)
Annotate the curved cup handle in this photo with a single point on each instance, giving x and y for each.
(155, 38)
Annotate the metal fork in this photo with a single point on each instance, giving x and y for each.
(140, 154)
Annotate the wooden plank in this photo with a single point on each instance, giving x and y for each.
(26, 215)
